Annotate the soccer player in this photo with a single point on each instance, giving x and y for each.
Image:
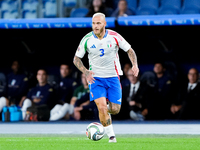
(102, 46)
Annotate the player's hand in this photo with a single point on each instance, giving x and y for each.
(89, 76)
(135, 70)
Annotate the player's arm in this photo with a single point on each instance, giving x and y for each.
(133, 58)
(79, 64)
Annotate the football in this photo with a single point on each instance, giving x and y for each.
(95, 131)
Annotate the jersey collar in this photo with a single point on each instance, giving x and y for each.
(103, 36)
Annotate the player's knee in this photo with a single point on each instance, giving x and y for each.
(103, 109)
(115, 111)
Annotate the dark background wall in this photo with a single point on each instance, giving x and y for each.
(50, 47)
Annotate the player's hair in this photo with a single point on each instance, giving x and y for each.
(43, 69)
(99, 14)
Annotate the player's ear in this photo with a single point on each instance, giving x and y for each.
(105, 23)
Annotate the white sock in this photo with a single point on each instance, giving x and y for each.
(71, 109)
(61, 113)
(2, 103)
(109, 131)
(27, 103)
(55, 109)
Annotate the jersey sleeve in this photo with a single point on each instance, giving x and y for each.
(82, 48)
(123, 44)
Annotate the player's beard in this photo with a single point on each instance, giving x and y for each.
(100, 31)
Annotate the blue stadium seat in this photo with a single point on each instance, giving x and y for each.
(29, 14)
(169, 7)
(50, 8)
(78, 12)
(29, 8)
(9, 5)
(190, 7)
(69, 3)
(9, 14)
(30, 5)
(132, 4)
(147, 7)
(9, 9)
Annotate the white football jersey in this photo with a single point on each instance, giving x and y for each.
(103, 54)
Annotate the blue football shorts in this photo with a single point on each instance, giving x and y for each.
(109, 88)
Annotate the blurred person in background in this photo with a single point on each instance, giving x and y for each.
(83, 108)
(122, 10)
(124, 78)
(163, 93)
(98, 6)
(64, 93)
(17, 86)
(3, 84)
(135, 99)
(186, 107)
(67, 84)
(78, 106)
(42, 94)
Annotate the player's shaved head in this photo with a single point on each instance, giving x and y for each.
(99, 15)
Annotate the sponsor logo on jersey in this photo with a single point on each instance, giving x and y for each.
(93, 46)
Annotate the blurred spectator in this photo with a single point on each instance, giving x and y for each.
(80, 101)
(3, 84)
(122, 10)
(135, 99)
(164, 93)
(98, 6)
(187, 105)
(84, 109)
(124, 79)
(67, 84)
(17, 86)
(43, 93)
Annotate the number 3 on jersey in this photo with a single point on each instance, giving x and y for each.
(102, 52)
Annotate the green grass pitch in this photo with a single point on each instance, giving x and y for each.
(80, 142)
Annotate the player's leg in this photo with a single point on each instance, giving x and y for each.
(3, 102)
(113, 108)
(60, 113)
(103, 111)
(27, 103)
(114, 96)
(98, 93)
(55, 109)
(105, 118)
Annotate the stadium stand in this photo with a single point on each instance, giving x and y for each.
(9, 9)
(132, 4)
(14, 9)
(78, 12)
(190, 7)
(147, 7)
(169, 7)
(29, 8)
(69, 3)
(49, 8)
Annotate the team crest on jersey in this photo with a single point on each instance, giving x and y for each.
(109, 44)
